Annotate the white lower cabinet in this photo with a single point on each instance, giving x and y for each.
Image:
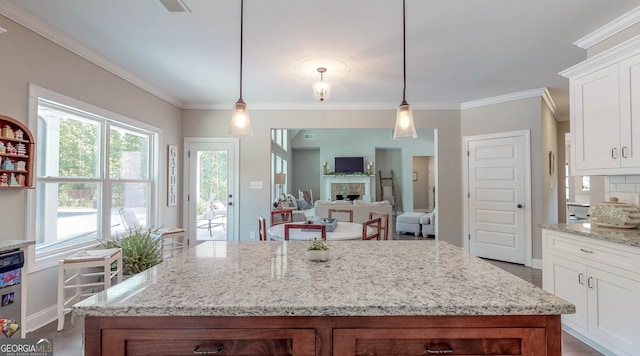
(606, 297)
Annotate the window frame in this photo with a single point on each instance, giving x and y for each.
(49, 259)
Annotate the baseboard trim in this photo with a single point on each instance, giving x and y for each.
(536, 263)
(41, 318)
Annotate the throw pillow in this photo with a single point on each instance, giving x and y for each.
(303, 205)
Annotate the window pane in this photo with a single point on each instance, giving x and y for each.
(67, 214)
(134, 197)
(68, 144)
(129, 157)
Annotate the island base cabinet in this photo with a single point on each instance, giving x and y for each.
(238, 342)
(455, 341)
(528, 335)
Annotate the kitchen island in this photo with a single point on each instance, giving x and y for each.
(371, 297)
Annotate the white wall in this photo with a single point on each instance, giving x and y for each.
(29, 58)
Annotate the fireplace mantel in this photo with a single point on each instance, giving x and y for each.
(363, 179)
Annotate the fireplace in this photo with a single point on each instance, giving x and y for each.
(353, 184)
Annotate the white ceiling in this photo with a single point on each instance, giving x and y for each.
(457, 51)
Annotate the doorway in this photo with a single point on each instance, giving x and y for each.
(497, 180)
(211, 185)
(424, 180)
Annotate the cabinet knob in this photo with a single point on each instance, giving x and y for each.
(520, 206)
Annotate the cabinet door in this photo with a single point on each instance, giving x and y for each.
(450, 341)
(614, 315)
(568, 281)
(630, 111)
(596, 120)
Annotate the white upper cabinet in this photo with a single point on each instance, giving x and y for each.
(605, 118)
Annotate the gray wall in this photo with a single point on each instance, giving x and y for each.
(525, 114)
(306, 169)
(29, 58)
(255, 153)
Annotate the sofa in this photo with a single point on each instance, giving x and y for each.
(360, 208)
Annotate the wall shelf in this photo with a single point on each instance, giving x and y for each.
(16, 154)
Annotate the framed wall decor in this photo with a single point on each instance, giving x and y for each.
(552, 160)
(172, 171)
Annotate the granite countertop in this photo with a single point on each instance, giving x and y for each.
(14, 244)
(630, 237)
(362, 278)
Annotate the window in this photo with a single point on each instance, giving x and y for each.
(280, 144)
(90, 164)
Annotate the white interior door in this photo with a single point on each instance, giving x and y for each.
(497, 199)
(211, 189)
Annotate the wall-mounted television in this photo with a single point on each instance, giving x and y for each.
(349, 164)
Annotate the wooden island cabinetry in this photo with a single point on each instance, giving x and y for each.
(265, 298)
(340, 336)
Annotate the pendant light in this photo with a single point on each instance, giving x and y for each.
(405, 128)
(240, 123)
(321, 89)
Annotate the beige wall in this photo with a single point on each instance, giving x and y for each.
(525, 114)
(254, 153)
(563, 128)
(29, 58)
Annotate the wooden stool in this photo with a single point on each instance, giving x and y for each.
(169, 242)
(99, 258)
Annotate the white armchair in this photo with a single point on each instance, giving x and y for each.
(428, 223)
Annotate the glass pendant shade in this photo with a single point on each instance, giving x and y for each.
(321, 90)
(405, 128)
(240, 123)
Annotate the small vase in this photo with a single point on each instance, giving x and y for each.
(317, 255)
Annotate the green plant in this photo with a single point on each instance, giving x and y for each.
(317, 245)
(141, 249)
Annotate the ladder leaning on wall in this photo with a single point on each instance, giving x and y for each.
(388, 191)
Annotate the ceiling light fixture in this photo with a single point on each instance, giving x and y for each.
(405, 127)
(240, 123)
(321, 89)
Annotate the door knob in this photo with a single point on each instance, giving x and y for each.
(520, 206)
(230, 203)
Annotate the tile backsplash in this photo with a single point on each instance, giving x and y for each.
(625, 188)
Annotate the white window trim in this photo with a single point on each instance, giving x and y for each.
(50, 260)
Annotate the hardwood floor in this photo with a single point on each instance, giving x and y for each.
(68, 342)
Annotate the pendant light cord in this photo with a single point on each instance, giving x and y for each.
(241, 42)
(404, 51)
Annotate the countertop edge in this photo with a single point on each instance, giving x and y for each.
(628, 237)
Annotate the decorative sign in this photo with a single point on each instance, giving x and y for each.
(172, 180)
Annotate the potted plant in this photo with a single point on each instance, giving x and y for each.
(141, 249)
(317, 250)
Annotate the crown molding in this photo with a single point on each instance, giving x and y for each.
(326, 106)
(32, 23)
(546, 96)
(603, 59)
(616, 26)
(506, 98)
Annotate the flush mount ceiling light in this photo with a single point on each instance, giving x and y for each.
(240, 123)
(2, 30)
(405, 127)
(321, 89)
